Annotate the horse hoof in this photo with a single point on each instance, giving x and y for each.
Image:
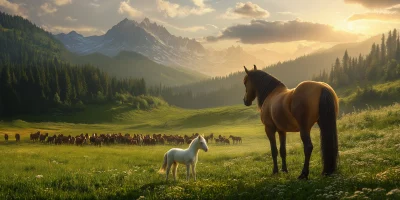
(303, 177)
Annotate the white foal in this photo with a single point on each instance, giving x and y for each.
(187, 157)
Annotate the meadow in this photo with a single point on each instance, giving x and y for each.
(369, 162)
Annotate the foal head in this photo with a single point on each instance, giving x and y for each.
(201, 143)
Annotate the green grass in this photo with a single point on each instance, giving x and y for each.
(369, 158)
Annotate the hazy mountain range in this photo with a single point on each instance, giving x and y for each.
(155, 42)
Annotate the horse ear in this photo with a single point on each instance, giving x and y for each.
(245, 69)
(255, 67)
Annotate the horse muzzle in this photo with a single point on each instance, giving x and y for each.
(246, 103)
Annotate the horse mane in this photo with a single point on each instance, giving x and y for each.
(264, 83)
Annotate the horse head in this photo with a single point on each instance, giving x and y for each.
(250, 94)
(202, 143)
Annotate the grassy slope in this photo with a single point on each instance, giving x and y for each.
(369, 146)
(350, 100)
(131, 64)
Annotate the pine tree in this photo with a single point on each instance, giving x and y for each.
(383, 50)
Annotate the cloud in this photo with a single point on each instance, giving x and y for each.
(85, 30)
(62, 2)
(212, 25)
(245, 10)
(47, 9)
(68, 18)
(94, 4)
(374, 3)
(375, 16)
(13, 8)
(126, 8)
(389, 14)
(263, 32)
(175, 10)
(287, 13)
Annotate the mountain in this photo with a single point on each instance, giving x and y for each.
(229, 90)
(146, 38)
(22, 42)
(228, 60)
(130, 64)
(289, 72)
(155, 42)
(269, 56)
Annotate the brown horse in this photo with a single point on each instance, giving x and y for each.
(295, 110)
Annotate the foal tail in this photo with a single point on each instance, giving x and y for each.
(328, 104)
(164, 166)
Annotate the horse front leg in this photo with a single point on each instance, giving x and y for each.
(308, 148)
(168, 169)
(187, 171)
(274, 150)
(282, 149)
(194, 171)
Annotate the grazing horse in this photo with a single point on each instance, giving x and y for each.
(236, 140)
(187, 157)
(295, 110)
(17, 137)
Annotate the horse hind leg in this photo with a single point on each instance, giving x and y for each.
(168, 169)
(274, 150)
(174, 169)
(282, 149)
(308, 148)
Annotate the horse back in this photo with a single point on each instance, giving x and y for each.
(305, 102)
(276, 111)
(288, 110)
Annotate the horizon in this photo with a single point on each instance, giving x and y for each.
(233, 23)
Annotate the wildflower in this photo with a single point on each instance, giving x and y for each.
(379, 189)
(39, 176)
(394, 192)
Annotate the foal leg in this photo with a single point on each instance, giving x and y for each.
(168, 169)
(274, 150)
(174, 168)
(187, 172)
(308, 147)
(194, 171)
(282, 149)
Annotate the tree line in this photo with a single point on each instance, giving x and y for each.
(381, 64)
(53, 85)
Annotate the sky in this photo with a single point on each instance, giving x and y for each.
(281, 25)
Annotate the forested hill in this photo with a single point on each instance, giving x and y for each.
(131, 64)
(229, 90)
(22, 42)
(35, 79)
(371, 79)
(289, 72)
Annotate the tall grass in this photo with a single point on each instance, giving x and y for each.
(369, 144)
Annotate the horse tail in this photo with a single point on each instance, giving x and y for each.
(164, 166)
(328, 106)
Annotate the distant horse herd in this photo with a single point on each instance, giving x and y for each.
(119, 138)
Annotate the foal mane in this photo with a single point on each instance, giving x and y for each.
(264, 84)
